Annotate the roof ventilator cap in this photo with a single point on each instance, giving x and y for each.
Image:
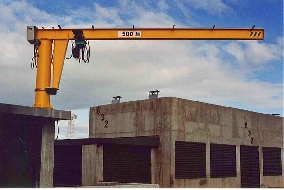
(153, 94)
(116, 99)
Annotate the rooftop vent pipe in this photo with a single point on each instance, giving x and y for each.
(153, 94)
(116, 99)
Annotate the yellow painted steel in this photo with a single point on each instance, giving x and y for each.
(60, 38)
(42, 99)
(59, 52)
(157, 34)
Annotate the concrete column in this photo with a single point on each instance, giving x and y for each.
(238, 161)
(99, 165)
(260, 166)
(88, 164)
(47, 154)
(154, 167)
(208, 160)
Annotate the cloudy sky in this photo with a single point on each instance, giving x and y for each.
(241, 74)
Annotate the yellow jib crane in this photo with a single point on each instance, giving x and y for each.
(50, 47)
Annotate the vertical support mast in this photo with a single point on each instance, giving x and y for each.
(42, 99)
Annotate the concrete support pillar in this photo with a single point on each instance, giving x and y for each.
(99, 165)
(89, 157)
(260, 166)
(154, 167)
(238, 161)
(208, 160)
(47, 154)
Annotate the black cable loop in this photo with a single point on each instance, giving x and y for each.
(57, 130)
(81, 53)
(71, 51)
(87, 52)
(36, 55)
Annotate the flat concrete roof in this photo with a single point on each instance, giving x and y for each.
(36, 112)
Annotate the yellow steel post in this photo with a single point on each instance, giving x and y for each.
(42, 99)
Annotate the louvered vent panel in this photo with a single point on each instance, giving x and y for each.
(190, 160)
(272, 165)
(250, 175)
(222, 160)
(125, 163)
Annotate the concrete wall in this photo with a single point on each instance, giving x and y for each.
(201, 122)
(184, 120)
(140, 118)
(27, 145)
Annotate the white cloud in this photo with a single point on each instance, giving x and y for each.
(107, 16)
(214, 7)
(254, 52)
(258, 53)
(236, 49)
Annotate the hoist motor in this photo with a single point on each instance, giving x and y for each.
(81, 50)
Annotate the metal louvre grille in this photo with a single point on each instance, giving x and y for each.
(272, 165)
(127, 163)
(222, 160)
(67, 165)
(250, 176)
(190, 160)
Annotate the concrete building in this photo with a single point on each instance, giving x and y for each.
(201, 145)
(27, 145)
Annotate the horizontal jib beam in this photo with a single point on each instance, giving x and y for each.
(155, 34)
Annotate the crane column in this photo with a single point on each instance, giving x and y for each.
(43, 77)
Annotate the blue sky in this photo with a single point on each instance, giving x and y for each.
(241, 74)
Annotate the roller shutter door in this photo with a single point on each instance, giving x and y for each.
(250, 175)
(127, 163)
